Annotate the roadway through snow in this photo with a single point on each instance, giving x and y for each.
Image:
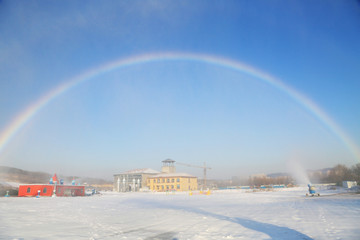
(235, 214)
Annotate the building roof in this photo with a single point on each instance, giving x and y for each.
(140, 171)
(57, 185)
(168, 161)
(173, 175)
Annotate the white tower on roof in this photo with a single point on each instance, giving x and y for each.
(168, 166)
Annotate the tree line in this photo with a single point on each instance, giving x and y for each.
(336, 175)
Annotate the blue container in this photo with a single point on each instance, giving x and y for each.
(311, 189)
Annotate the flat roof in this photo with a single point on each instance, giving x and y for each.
(168, 161)
(173, 175)
(57, 185)
(140, 171)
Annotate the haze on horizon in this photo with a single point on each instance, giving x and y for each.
(192, 112)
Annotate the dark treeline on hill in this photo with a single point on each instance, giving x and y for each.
(266, 180)
(336, 175)
(10, 174)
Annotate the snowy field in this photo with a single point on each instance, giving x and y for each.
(235, 214)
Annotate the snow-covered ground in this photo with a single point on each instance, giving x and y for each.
(233, 214)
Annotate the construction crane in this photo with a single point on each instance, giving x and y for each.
(203, 167)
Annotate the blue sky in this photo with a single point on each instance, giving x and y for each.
(137, 116)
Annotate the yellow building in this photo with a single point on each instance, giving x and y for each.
(164, 182)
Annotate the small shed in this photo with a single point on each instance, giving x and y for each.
(349, 184)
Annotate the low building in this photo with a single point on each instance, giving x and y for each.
(164, 182)
(133, 180)
(47, 190)
(349, 184)
(54, 187)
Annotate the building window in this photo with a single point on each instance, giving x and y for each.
(172, 180)
(162, 187)
(178, 186)
(178, 180)
(154, 181)
(28, 190)
(172, 186)
(167, 187)
(44, 190)
(158, 180)
(168, 180)
(163, 180)
(189, 179)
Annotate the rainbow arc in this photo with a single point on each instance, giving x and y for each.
(26, 115)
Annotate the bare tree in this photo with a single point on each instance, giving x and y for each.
(340, 173)
(355, 170)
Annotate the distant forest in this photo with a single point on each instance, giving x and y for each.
(337, 175)
(11, 174)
